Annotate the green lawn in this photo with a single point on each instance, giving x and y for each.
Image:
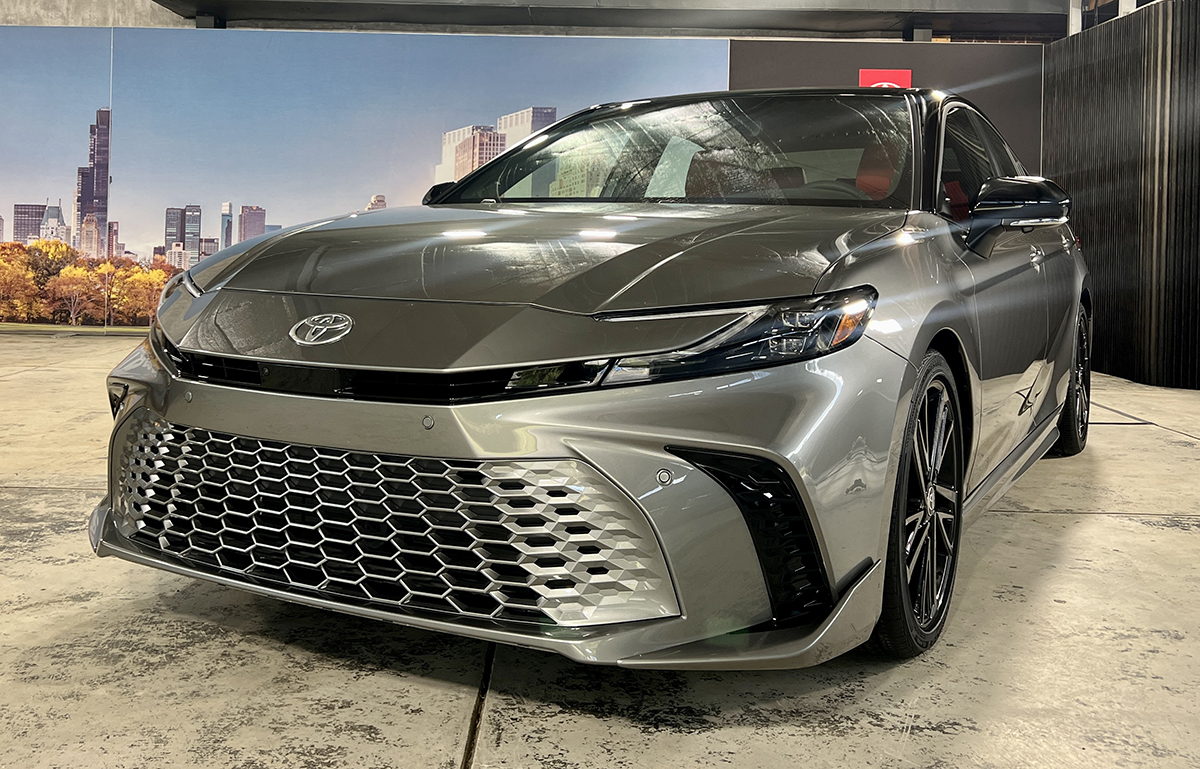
(58, 328)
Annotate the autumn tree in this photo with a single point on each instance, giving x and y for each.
(75, 290)
(47, 258)
(162, 265)
(107, 280)
(139, 295)
(18, 291)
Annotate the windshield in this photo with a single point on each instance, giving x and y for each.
(792, 149)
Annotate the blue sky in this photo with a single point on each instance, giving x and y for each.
(303, 124)
(307, 124)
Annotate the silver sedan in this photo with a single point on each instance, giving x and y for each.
(708, 381)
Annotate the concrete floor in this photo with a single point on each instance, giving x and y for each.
(1072, 640)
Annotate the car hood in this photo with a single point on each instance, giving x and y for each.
(583, 259)
(441, 288)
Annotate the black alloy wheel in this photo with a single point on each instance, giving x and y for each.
(1077, 407)
(922, 557)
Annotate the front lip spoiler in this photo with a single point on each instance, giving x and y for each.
(848, 625)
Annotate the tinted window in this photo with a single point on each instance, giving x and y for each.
(965, 165)
(798, 149)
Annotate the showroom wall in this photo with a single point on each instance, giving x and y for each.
(1002, 79)
(1123, 136)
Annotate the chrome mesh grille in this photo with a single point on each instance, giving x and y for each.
(536, 541)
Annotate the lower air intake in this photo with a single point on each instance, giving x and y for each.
(780, 529)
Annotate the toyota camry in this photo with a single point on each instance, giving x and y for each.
(706, 381)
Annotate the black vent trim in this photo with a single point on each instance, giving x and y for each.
(364, 384)
(781, 531)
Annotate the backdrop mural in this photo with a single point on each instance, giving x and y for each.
(129, 154)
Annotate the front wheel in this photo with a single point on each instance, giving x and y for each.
(1073, 421)
(922, 554)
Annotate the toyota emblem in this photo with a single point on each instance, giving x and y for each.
(321, 329)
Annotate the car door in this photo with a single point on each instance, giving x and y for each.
(1058, 272)
(1009, 299)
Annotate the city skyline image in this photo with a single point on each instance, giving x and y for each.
(280, 128)
(306, 125)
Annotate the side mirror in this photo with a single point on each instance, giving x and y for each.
(1015, 203)
(435, 192)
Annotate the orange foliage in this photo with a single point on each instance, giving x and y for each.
(47, 280)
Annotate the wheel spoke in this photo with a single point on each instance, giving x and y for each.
(933, 559)
(943, 521)
(914, 556)
(941, 435)
(927, 584)
(947, 493)
(935, 438)
(921, 453)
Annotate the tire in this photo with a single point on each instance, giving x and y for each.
(1073, 421)
(923, 543)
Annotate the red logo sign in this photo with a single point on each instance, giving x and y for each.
(885, 78)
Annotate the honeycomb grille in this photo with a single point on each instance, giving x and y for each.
(550, 542)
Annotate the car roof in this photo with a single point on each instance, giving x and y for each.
(924, 94)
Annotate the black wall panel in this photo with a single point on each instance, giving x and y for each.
(1122, 134)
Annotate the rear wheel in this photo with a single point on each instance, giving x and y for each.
(1073, 421)
(923, 544)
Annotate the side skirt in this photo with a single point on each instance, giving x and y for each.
(1008, 472)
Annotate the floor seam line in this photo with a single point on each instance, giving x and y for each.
(1093, 512)
(53, 488)
(485, 683)
(1148, 421)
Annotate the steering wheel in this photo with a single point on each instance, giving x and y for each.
(831, 188)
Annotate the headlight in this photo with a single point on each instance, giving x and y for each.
(765, 336)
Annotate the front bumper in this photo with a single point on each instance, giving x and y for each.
(830, 422)
(849, 625)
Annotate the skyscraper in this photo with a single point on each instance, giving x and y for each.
(115, 247)
(27, 221)
(252, 222)
(91, 240)
(518, 125)
(191, 232)
(173, 231)
(177, 256)
(444, 172)
(1, 229)
(475, 150)
(377, 202)
(83, 188)
(226, 225)
(208, 247)
(91, 184)
(54, 226)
